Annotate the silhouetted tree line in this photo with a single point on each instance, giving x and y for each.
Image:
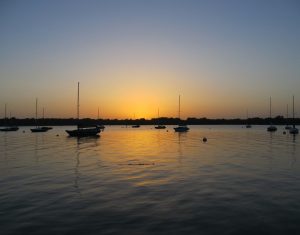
(279, 120)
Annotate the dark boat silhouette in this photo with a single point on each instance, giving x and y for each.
(294, 130)
(181, 126)
(271, 128)
(83, 130)
(9, 127)
(38, 128)
(158, 125)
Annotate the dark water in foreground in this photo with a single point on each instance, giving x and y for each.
(147, 181)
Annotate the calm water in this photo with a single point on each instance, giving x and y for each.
(148, 181)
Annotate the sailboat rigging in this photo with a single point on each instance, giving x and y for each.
(83, 130)
(38, 128)
(8, 127)
(181, 126)
(271, 128)
(158, 125)
(294, 130)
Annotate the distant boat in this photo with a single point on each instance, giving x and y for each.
(181, 127)
(8, 128)
(248, 124)
(102, 127)
(159, 126)
(271, 128)
(135, 126)
(294, 130)
(83, 130)
(38, 128)
(287, 127)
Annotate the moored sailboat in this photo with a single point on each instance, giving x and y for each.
(248, 125)
(181, 126)
(271, 128)
(294, 130)
(8, 128)
(83, 130)
(287, 127)
(38, 128)
(158, 125)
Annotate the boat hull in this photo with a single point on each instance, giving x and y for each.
(272, 128)
(11, 128)
(160, 127)
(294, 131)
(181, 129)
(39, 129)
(84, 132)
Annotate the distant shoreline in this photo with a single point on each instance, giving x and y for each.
(279, 120)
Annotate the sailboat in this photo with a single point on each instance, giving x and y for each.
(287, 127)
(135, 125)
(8, 128)
(158, 125)
(102, 127)
(294, 130)
(271, 128)
(38, 128)
(181, 127)
(83, 130)
(248, 124)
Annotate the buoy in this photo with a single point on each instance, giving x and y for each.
(284, 132)
(204, 139)
(57, 135)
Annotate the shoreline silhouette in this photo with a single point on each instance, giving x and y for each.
(279, 120)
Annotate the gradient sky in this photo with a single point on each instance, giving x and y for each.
(133, 57)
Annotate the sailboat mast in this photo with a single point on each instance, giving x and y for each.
(293, 114)
(36, 104)
(5, 111)
(270, 108)
(78, 101)
(179, 108)
(98, 114)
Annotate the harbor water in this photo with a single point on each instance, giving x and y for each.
(148, 181)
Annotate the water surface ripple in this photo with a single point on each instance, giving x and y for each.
(148, 181)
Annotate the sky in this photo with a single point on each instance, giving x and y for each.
(133, 57)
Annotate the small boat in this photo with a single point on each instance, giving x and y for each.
(135, 126)
(271, 128)
(248, 124)
(102, 127)
(293, 129)
(287, 127)
(38, 128)
(159, 126)
(181, 127)
(83, 130)
(8, 128)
